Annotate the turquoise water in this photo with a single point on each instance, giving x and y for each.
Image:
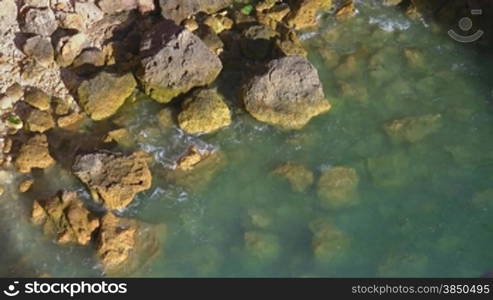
(423, 209)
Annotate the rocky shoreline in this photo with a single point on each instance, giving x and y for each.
(68, 63)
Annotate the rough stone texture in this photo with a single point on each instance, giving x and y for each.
(204, 112)
(40, 49)
(115, 6)
(337, 187)
(34, 154)
(37, 99)
(299, 177)
(103, 95)
(65, 217)
(287, 94)
(113, 179)
(39, 121)
(124, 245)
(413, 129)
(69, 48)
(174, 61)
(179, 10)
(40, 21)
(304, 12)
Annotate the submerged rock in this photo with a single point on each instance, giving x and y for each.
(113, 179)
(26, 185)
(125, 245)
(174, 61)
(328, 242)
(65, 217)
(413, 129)
(104, 94)
(298, 175)
(304, 12)
(262, 245)
(287, 94)
(337, 187)
(386, 170)
(179, 10)
(34, 154)
(204, 112)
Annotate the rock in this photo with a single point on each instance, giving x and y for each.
(258, 41)
(346, 10)
(89, 12)
(121, 136)
(259, 218)
(70, 120)
(13, 94)
(37, 99)
(34, 154)
(219, 23)
(328, 242)
(40, 121)
(391, 2)
(166, 118)
(290, 45)
(204, 112)
(304, 12)
(337, 187)
(2, 191)
(414, 58)
(262, 245)
(113, 179)
(26, 185)
(287, 94)
(190, 159)
(40, 49)
(191, 24)
(40, 21)
(65, 217)
(125, 245)
(69, 48)
(103, 95)
(179, 10)
(298, 175)
(72, 21)
(413, 129)
(174, 61)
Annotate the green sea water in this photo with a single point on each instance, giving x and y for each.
(423, 209)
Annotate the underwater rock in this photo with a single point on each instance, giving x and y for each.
(26, 185)
(104, 94)
(328, 241)
(125, 245)
(298, 175)
(39, 121)
(166, 118)
(262, 245)
(287, 94)
(121, 136)
(179, 10)
(191, 158)
(37, 98)
(34, 154)
(113, 179)
(65, 217)
(304, 12)
(174, 61)
(40, 21)
(40, 49)
(337, 187)
(413, 129)
(204, 112)
(386, 170)
(258, 218)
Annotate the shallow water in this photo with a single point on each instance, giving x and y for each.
(423, 208)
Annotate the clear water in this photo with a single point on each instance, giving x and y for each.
(433, 219)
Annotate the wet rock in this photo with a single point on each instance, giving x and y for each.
(38, 99)
(337, 187)
(346, 10)
(121, 136)
(65, 217)
(40, 21)
(304, 12)
(190, 159)
(112, 178)
(103, 95)
(174, 61)
(328, 242)
(298, 175)
(204, 112)
(179, 10)
(413, 129)
(26, 185)
(125, 245)
(39, 121)
(287, 94)
(69, 48)
(34, 154)
(262, 245)
(40, 49)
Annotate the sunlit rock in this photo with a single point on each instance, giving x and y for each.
(39, 121)
(179, 10)
(304, 12)
(34, 154)
(38, 99)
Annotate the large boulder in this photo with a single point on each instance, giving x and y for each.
(65, 217)
(113, 179)
(179, 10)
(103, 95)
(174, 61)
(288, 93)
(204, 112)
(34, 154)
